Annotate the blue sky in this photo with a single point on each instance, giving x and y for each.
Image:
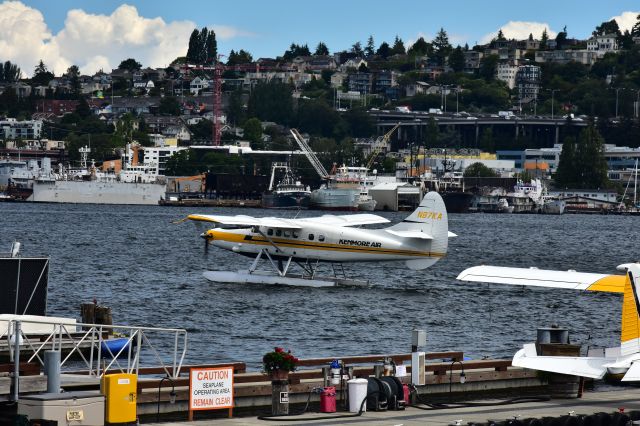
(266, 28)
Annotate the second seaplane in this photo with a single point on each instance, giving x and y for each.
(419, 241)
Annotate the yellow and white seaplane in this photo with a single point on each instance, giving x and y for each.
(623, 359)
(420, 241)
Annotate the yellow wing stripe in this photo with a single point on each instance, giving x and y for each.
(630, 326)
(240, 238)
(610, 284)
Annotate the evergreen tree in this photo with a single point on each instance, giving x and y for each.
(211, 47)
(398, 47)
(41, 75)
(609, 27)
(74, 79)
(635, 31)
(321, 49)
(130, 65)
(356, 49)
(530, 37)
(592, 164)
(544, 39)
(420, 48)
(9, 73)
(566, 172)
(561, 38)
(192, 52)
(501, 36)
(370, 48)
(441, 46)
(456, 60)
(384, 50)
(203, 47)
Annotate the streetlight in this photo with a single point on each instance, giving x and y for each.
(617, 89)
(553, 91)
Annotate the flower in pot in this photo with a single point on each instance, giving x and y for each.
(278, 363)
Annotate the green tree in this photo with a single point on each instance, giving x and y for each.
(488, 67)
(635, 31)
(566, 175)
(130, 65)
(441, 46)
(321, 49)
(235, 109)
(203, 47)
(182, 163)
(124, 129)
(73, 72)
(356, 49)
(544, 39)
(479, 170)
(241, 57)
(456, 60)
(431, 134)
(420, 48)
(271, 101)
(296, 50)
(398, 47)
(253, 132)
(500, 36)
(169, 105)
(360, 123)
(41, 75)
(202, 130)
(608, 27)
(590, 157)
(561, 38)
(83, 109)
(384, 50)
(370, 48)
(9, 73)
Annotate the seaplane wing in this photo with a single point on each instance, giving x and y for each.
(592, 367)
(248, 221)
(545, 278)
(344, 220)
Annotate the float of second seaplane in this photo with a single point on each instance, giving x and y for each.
(419, 241)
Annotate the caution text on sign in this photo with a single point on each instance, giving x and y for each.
(211, 388)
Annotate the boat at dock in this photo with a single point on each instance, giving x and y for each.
(346, 189)
(288, 193)
(135, 184)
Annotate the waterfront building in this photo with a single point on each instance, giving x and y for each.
(11, 128)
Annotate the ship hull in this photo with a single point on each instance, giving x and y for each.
(457, 202)
(335, 199)
(285, 201)
(95, 192)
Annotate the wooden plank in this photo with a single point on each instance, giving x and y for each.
(365, 359)
(445, 367)
(26, 368)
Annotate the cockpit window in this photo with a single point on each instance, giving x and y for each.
(270, 231)
(320, 237)
(311, 237)
(278, 232)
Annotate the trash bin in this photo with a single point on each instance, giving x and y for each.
(328, 400)
(357, 394)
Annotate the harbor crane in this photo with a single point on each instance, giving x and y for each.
(378, 146)
(313, 158)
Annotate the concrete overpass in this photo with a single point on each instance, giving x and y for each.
(413, 124)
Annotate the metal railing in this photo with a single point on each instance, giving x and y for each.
(89, 343)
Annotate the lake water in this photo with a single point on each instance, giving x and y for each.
(133, 259)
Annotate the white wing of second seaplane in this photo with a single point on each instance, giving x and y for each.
(593, 367)
(344, 220)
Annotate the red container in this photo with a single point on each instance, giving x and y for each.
(328, 400)
(407, 394)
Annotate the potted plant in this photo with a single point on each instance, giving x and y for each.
(278, 363)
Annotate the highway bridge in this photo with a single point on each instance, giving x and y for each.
(545, 130)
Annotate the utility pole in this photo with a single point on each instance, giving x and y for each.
(553, 91)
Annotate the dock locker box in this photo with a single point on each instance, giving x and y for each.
(120, 393)
(68, 408)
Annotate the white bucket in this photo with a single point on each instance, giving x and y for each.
(357, 393)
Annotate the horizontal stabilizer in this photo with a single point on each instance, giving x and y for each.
(545, 278)
(411, 234)
(633, 374)
(575, 366)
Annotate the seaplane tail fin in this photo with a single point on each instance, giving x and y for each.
(430, 218)
(630, 334)
(591, 367)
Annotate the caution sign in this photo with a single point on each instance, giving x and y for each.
(211, 388)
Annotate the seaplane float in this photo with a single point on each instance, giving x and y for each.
(420, 240)
(621, 360)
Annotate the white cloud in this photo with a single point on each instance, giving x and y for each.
(520, 30)
(93, 41)
(626, 20)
